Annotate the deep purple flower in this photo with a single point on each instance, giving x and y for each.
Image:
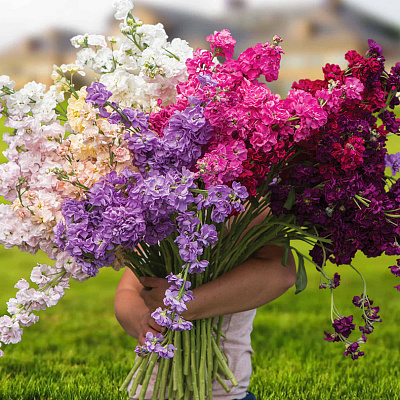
(331, 337)
(359, 300)
(372, 314)
(332, 284)
(353, 351)
(344, 325)
(97, 94)
(375, 50)
(395, 270)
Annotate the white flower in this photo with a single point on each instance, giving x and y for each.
(103, 61)
(18, 104)
(153, 35)
(12, 306)
(22, 284)
(96, 40)
(85, 57)
(26, 319)
(10, 330)
(78, 40)
(33, 90)
(123, 7)
(5, 81)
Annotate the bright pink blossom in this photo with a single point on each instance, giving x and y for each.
(222, 43)
(262, 59)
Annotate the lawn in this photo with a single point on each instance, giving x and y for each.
(78, 350)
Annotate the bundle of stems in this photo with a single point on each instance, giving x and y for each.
(198, 359)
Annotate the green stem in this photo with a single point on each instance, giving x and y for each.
(136, 365)
(139, 376)
(164, 379)
(222, 363)
(218, 339)
(157, 383)
(203, 359)
(147, 376)
(193, 365)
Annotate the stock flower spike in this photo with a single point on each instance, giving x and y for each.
(164, 178)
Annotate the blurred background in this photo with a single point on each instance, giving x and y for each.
(35, 33)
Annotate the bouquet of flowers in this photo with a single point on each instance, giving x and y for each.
(164, 161)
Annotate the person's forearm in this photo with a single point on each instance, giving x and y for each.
(252, 284)
(129, 309)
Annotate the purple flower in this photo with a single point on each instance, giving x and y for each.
(208, 235)
(395, 270)
(166, 351)
(375, 50)
(359, 300)
(331, 337)
(206, 79)
(97, 94)
(181, 324)
(333, 283)
(393, 161)
(197, 267)
(135, 118)
(353, 351)
(344, 326)
(372, 314)
(177, 281)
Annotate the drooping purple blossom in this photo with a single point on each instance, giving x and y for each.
(344, 326)
(353, 351)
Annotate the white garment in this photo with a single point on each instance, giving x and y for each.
(237, 348)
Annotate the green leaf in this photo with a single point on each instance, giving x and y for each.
(291, 200)
(301, 279)
(286, 248)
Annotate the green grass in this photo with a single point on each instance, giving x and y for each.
(78, 351)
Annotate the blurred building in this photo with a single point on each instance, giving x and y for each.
(33, 58)
(313, 36)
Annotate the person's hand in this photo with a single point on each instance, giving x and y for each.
(153, 291)
(147, 324)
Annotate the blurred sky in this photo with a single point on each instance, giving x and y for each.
(19, 18)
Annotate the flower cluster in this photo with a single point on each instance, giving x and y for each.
(162, 163)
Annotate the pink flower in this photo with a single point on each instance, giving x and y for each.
(261, 59)
(222, 43)
(353, 88)
(351, 155)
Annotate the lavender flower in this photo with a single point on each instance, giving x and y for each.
(97, 94)
(393, 161)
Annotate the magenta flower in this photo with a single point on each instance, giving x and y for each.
(222, 43)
